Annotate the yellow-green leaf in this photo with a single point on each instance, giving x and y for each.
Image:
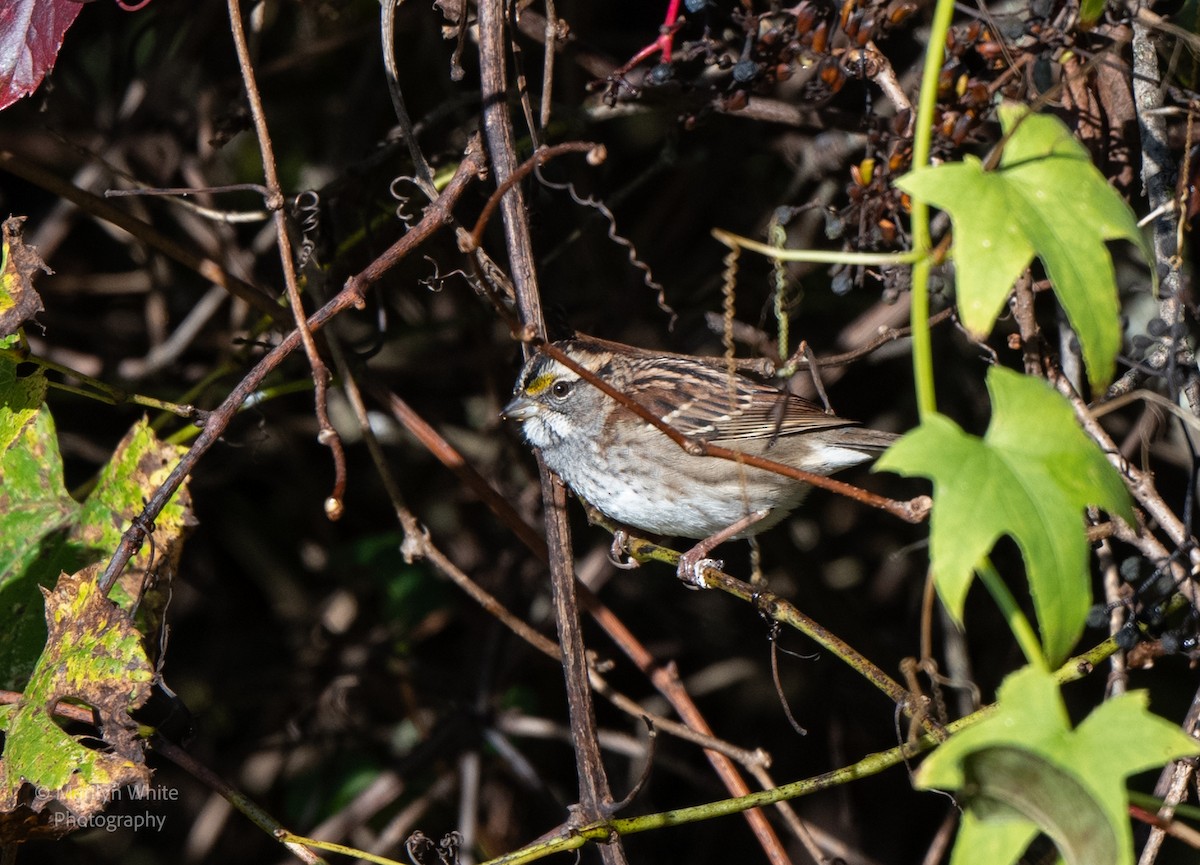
(1045, 199)
(44, 532)
(1029, 477)
(51, 780)
(1023, 770)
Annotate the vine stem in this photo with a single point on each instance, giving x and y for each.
(815, 256)
(101, 390)
(922, 348)
(1016, 619)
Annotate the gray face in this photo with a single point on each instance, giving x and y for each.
(555, 406)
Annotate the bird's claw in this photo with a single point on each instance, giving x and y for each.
(618, 553)
(692, 568)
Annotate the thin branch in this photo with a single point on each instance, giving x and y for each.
(540, 157)
(143, 231)
(351, 295)
(234, 797)
(594, 792)
(423, 174)
(326, 434)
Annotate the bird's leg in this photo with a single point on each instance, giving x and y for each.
(756, 575)
(618, 553)
(693, 563)
(814, 369)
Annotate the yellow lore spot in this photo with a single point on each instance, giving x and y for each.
(540, 384)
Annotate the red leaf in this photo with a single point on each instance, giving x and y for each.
(31, 32)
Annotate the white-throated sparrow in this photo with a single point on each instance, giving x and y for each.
(635, 474)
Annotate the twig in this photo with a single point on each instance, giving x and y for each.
(541, 156)
(350, 295)
(1140, 484)
(594, 792)
(61, 709)
(274, 199)
(423, 174)
(238, 800)
(552, 36)
(178, 195)
(143, 231)
(1171, 788)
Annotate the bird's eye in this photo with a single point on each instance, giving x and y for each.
(561, 389)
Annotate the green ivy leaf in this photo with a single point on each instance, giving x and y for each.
(1029, 477)
(1022, 770)
(1045, 199)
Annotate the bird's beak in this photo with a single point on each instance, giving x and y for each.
(521, 408)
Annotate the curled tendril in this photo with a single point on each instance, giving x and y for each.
(448, 848)
(401, 199)
(619, 239)
(437, 282)
(307, 209)
(778, 237)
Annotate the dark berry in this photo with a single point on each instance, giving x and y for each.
(1127, 637)
(744, 71)
(660, 74)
